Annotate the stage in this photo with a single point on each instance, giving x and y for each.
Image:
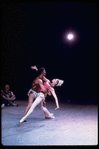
(74, 124)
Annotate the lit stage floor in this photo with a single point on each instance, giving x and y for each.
(73, 125)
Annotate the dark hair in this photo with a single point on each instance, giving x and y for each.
(40, 70)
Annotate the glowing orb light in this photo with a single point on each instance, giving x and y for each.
(70, 36)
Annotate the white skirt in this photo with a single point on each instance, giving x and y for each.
(35, 94)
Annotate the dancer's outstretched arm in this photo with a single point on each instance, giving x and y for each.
(55, 96)
(46, 80)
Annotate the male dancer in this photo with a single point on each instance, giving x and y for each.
(32, 92)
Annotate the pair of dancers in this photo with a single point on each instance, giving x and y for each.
(39, 91)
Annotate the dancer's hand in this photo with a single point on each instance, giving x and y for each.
(34, 67)
(56, 108)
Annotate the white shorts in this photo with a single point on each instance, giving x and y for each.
(35, 94)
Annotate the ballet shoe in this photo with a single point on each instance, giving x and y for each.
(22, 120)
(51, 116)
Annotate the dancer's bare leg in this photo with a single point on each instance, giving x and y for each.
(30, 101)
(44, 105)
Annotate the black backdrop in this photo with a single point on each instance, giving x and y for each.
(32, 34)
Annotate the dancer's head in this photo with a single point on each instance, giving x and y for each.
(57, 82)
(41, 71)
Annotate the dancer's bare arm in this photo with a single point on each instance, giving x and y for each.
(40, 82)
(46, 80)
(55, 96)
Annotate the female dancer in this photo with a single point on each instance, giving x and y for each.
(51, 91)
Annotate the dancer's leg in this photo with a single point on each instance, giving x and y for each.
(30, 101)
(46, 111)
(44, 105)
(35, 103)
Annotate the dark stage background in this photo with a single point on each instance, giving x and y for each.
(32, 34)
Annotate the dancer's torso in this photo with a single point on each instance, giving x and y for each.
(35, 85)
